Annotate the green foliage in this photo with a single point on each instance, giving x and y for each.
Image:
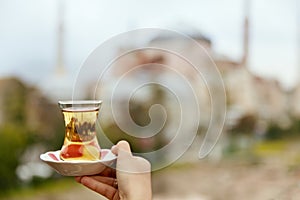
(274, 132)
(13, 142)
(13, 131)
(38, 191)
(294, 129)
(232, 148)
(26, 118)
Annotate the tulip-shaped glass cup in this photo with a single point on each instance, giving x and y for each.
(80, 119)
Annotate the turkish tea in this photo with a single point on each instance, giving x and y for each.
(80, 142)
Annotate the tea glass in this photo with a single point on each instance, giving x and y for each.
(80, 142)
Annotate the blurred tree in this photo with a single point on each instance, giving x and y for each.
(13, 130)
(245, 125)
(44, 120)
(241, 139)
(294, 129)
(26, 118)
(274, 132)
(13, 97)
(13, 143)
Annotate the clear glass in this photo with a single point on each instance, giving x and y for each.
(80, 119)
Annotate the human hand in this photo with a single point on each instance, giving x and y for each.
(131, 179)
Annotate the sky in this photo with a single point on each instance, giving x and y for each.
(28, 31)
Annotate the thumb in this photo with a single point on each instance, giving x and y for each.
(121, 149)
(126, 162)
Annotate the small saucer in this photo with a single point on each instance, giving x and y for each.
(78, 167)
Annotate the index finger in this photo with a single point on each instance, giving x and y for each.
(104, 189)
(109, 172)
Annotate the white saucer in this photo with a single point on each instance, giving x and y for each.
(78, 167)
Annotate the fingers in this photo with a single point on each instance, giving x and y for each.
(106, 180)
(101, 185)
(78, 179)
(133, 174)
(109, 172)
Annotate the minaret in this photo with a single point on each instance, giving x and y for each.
(60, 69)
(298, 38)
(58, 85)
(245, 57)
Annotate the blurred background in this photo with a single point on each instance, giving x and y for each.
(255, 45)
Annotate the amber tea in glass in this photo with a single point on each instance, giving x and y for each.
(80, 119)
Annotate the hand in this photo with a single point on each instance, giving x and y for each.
(131, 179)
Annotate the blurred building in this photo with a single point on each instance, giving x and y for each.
(249, 94)
(294, 99)
(156, 63)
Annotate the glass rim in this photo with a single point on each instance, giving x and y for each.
(79, 103)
